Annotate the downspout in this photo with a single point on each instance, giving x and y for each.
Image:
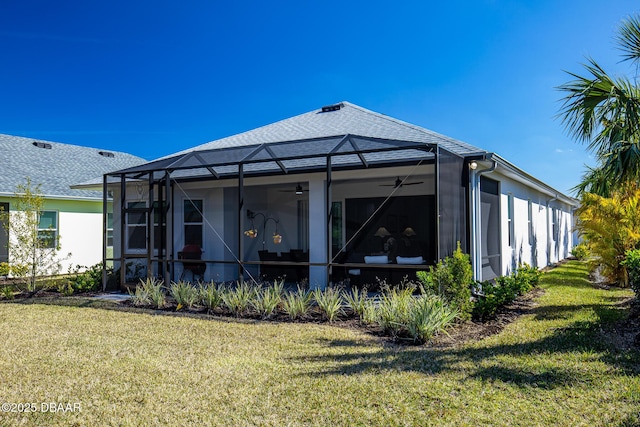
(549, 230)
(476, 217)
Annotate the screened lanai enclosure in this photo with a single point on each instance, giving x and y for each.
(317, 211)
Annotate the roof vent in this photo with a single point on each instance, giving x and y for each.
(106, 153)
(329, 108)
(44, 145)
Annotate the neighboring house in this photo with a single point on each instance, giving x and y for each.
(337, 193)
(75, 217)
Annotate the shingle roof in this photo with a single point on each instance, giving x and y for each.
(57, 167)
(349, 119)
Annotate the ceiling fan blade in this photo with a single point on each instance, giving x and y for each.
(413, 183)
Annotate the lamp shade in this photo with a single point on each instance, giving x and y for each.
(382, 232)
(409, 232)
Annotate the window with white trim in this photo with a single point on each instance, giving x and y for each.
(510, 219)
(48, 229)
(193, 222)
(530, 221)
(110, 229)
(137, 226)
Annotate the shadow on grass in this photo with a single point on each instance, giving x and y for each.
(537, 363)
(522, 364)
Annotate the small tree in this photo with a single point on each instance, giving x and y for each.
(34, 250)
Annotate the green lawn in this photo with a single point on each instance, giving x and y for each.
(554, 366)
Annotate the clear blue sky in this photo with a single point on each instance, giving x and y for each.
(153, 78)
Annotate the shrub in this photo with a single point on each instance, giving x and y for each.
(65, 288)
(238, 299)
(527, 278)
(5, 269)
(451, 279)
(631, 263)
(486, 303)
(429, 316)
(407, 317)
(267, 299)
(140, 296)
(580, 251)
(210, 296)
(184, 293)
(7, 291)
(329, 301)
(492, 296)
(356, 300)
(154, 291)
(296, 304)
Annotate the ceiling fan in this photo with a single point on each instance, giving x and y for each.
(399, 183)
(299, 190)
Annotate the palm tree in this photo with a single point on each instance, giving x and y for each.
(604, 112)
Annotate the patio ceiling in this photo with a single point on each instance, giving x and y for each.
(345, 151)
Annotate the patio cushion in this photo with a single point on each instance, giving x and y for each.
(376, 259)
(410, 260)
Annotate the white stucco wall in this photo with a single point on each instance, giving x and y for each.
(81, 234)
(541, 246)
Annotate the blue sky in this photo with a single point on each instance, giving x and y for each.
(153, 78)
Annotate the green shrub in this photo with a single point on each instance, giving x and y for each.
(429, 316)
(329, 301)
(5, 269)
(486, 303)
(492, 296)
(238, 299)
(140, 296)
(65, 287)
(184, 293)
(268, 299)
(631, 263)
(210, 296)
(7, 291)
(527, 278)
(451, 279)
(154, 290)
(580, 251)
(356, 300)
(407, 317)
(296, 304)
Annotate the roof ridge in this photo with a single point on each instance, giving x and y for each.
(401, 122)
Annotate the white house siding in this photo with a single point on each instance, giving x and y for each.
(541, 246)
(80, 234)
(79, 231)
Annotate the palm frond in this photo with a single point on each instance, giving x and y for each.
(629, 38)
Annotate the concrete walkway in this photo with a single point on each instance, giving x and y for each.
(115, 296)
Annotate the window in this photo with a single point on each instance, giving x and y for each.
(110, 229)
(48, 229)
(530, 221)
(336, 226)
(510, 219)
(193, 220)
(554, 220)
(136, 225)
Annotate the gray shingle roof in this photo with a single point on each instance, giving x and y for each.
(350, 119)
(57, 168)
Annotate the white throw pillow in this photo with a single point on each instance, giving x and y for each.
(409, 260)
(377, 259)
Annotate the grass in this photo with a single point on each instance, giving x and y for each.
(553, 366)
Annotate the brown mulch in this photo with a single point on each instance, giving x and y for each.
(475, 330)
